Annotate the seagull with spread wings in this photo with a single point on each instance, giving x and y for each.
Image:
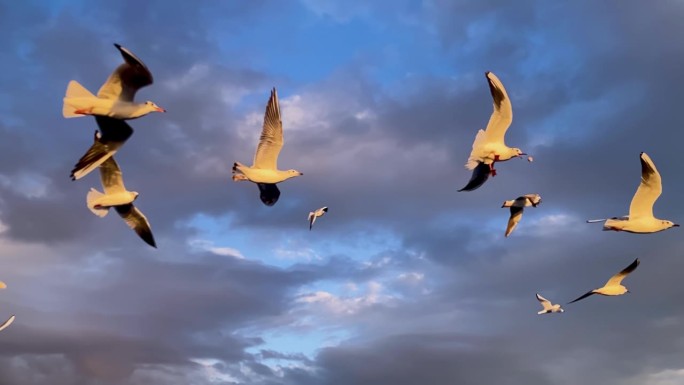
(115, 195)
(548, 306)
(614, 285)
(640, 219)
(517, 206)
(489, 146)
(264, 170)
(115, 97)
(315, 214)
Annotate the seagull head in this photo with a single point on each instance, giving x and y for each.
(668, 224)
(294, 173)
(153, 107)
(517, 152)
(135, 194)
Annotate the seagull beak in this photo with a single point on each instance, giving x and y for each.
(301, 173)
(675, 225)
(159, 109)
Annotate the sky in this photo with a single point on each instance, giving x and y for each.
(404, 280)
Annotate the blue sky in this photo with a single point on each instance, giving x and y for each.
(404, 280)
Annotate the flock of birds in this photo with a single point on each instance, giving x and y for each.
(114, 104)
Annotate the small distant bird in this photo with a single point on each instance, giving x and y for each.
(115, 97)
(9, 321)
(640, 219)
(548, 307)
(315, 214)
(480, 175)
(264, 171)
(116, 196)
(489, 146)
(517, 205)
(112, 135)
(613, 286)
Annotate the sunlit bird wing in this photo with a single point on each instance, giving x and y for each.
(502, 116)
(546, 304)
(271, 140)
(617, 278)
(7, 323)
(649, 189)
(516, 215)
(111, 177)
(126, 79)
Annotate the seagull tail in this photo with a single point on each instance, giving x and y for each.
(91, 199)
(74, 90)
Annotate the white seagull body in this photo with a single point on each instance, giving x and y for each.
(517, 205)
(115, 195)
(548, 306)
(315, 214)
(640, 218)
(489, 145)
(115, 97)
(614, 285)
(264, 170)
(9, 321)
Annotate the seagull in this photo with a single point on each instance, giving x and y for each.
(315, 214)
(480, 175)
(548, 307)
(9, 321)
(613, 286)
(115, 97)
(517, 205)
(264, 171)
(640, 219)
(116, 196)
(112, 135)
(489, 146)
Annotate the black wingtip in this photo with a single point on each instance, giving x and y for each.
(117, 45)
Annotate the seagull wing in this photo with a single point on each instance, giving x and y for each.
(135, 219)
(585, 295)
(649, 189)
(268, 193)
(480, 175)
(617, 278)
(312, 219)
(110, 174)
(114, 133)
(126, 79)
(7, 323)
(544, 302)
(271, 140)
(516, 215)
(502, 116)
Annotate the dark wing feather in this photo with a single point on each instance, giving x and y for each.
(113, 134)
(269, 193)
(585, 295)
(135, 219)
(127, 79)
(480, 175)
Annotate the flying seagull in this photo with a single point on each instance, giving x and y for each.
(640, 218)
(613, 286)
(489, 146)
(548, 307)
(315, 214)
(112, 135)
(517, 205)
(115, 195)
(264, 171)
(9, 321)
(115, 97)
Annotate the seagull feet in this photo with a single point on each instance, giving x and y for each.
(492, 171)
(239, 177)
(496, 158)
(84, 111)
